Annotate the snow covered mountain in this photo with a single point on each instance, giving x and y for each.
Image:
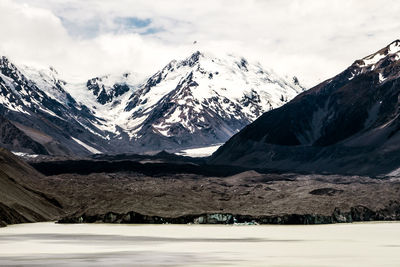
(348, 124)
(199, 101)
(203, 100)
(36, 102)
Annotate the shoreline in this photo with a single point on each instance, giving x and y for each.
(355, 214)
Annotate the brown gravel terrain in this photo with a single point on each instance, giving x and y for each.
(248, 193)
(155, 191)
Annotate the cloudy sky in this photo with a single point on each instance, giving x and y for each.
(313, 39)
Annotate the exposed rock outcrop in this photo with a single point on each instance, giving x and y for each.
(355, 214)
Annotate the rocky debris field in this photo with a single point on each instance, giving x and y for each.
(134, 197)
(132, 189)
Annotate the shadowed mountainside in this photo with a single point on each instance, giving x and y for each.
(13, 138)
(20, 201)
(348, 125)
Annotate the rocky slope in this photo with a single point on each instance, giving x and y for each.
(161, 189)
(13, 138)
(199, 101)
(185, 196)
(347, 124)
(20, 202)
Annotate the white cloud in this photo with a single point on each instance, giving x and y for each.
(36, 36)
(312, 39)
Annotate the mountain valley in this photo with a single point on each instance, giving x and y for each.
(329, 155)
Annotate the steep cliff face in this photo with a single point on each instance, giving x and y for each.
(347, 124)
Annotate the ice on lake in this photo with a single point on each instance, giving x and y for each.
(50, 244)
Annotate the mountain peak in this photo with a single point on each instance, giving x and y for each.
(192, 59)
(396, 42)
(391, 49)
(204, 99)
(394, 47)
(383, 63)
(5, 62)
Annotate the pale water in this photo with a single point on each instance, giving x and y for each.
(50, 244)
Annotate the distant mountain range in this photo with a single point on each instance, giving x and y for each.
(196, 102)
(347, 124)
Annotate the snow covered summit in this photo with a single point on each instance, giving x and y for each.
(204, 100)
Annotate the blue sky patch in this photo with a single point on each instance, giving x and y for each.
(133, 22)
(152, 31)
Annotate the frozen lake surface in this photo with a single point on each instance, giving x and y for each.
(50, 244)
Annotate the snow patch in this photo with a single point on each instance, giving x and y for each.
(24, 155)
(394, 48)
(89, 148)
(373, 59)
(199, 152)
(395, 173)
(381, 78)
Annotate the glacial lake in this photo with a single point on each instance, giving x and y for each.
(50, 244)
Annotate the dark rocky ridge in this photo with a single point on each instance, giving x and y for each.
(348, 124)
(103, 96)
(84, 167)
(162, 163)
